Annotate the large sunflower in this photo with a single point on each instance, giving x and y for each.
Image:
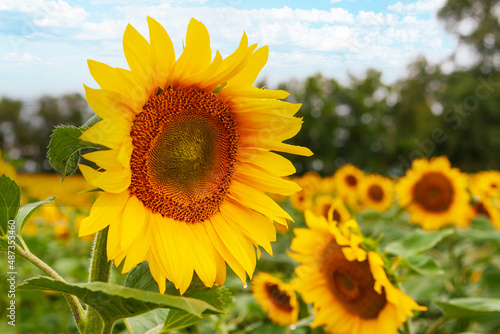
(434, 194)
(277, 298)
(189, 157)
(348, 286)
(376, 192)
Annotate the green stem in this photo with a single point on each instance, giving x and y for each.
(436, 325)
(74, 304)
(100, 270)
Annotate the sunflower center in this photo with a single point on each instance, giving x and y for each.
(279, 298)
(184, 153)
(376, 193)
(351, 282)
(351, 180)
(481, 209)
(434, 192)
(336, 216)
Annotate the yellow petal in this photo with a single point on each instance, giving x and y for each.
(226, 254)
(162, 53)
(139, 249)
(172, 238)
(107, 159)
(108, 132)
(255, 226)
(134, 217)
(203, 256)
(270, 161)
(197, 54)
(111, 181)
(255, 64)
(250, 91)
(137, 52)
(269, 128)
(236, 244)
(105, 210)
(120, 81)
(256, 200)
(114, 235)
(265, 181)
(109, 104)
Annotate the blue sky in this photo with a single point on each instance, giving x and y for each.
(45, 44)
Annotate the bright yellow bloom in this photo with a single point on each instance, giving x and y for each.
(190, 157)
(347, 180)
(376, 192)
(349, 289)
(333, 209)
(434, 194)
(7, 169)
(485, 184)
(277, 298)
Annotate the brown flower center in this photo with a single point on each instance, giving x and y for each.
(376, 193)
(481, 209)
(184, 153)
(351, 180)
(351, 282)
(433, 192)
(279, 298)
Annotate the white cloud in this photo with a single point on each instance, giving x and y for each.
(335, 1)
(22, 59)
(48, 12)
(418, 6)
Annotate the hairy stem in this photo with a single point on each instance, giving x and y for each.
(100, 270)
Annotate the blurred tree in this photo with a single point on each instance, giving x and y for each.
(476, 23)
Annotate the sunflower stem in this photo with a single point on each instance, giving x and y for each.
(100, 270)
(74, 304)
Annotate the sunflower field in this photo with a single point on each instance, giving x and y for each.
(194, 200)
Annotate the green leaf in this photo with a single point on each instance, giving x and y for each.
(114, 302)
(65, 146)
(10, 200)
(424, 265)
(148, 323)
(25, 212)
(470, 307)
(218, 296)
(417, 242)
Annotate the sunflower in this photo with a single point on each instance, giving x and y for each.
(331, 208)
(486, 207)
(277, 298)
(190, 157)
(347, 180)
(376, 192)
(485, 184)
(434, 194)
(348, 286)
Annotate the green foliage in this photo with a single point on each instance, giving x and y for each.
(27, 210)
(417, 242)
(114, 302)
(470, 307)
(10, 200)
(65, 148)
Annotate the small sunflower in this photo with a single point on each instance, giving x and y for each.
(434, 194)
(347, 180)
(333, 209)
(348, 286)
(485, 184)
(190, 157)
(376, 192)
(277, 298)
(486, 207)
